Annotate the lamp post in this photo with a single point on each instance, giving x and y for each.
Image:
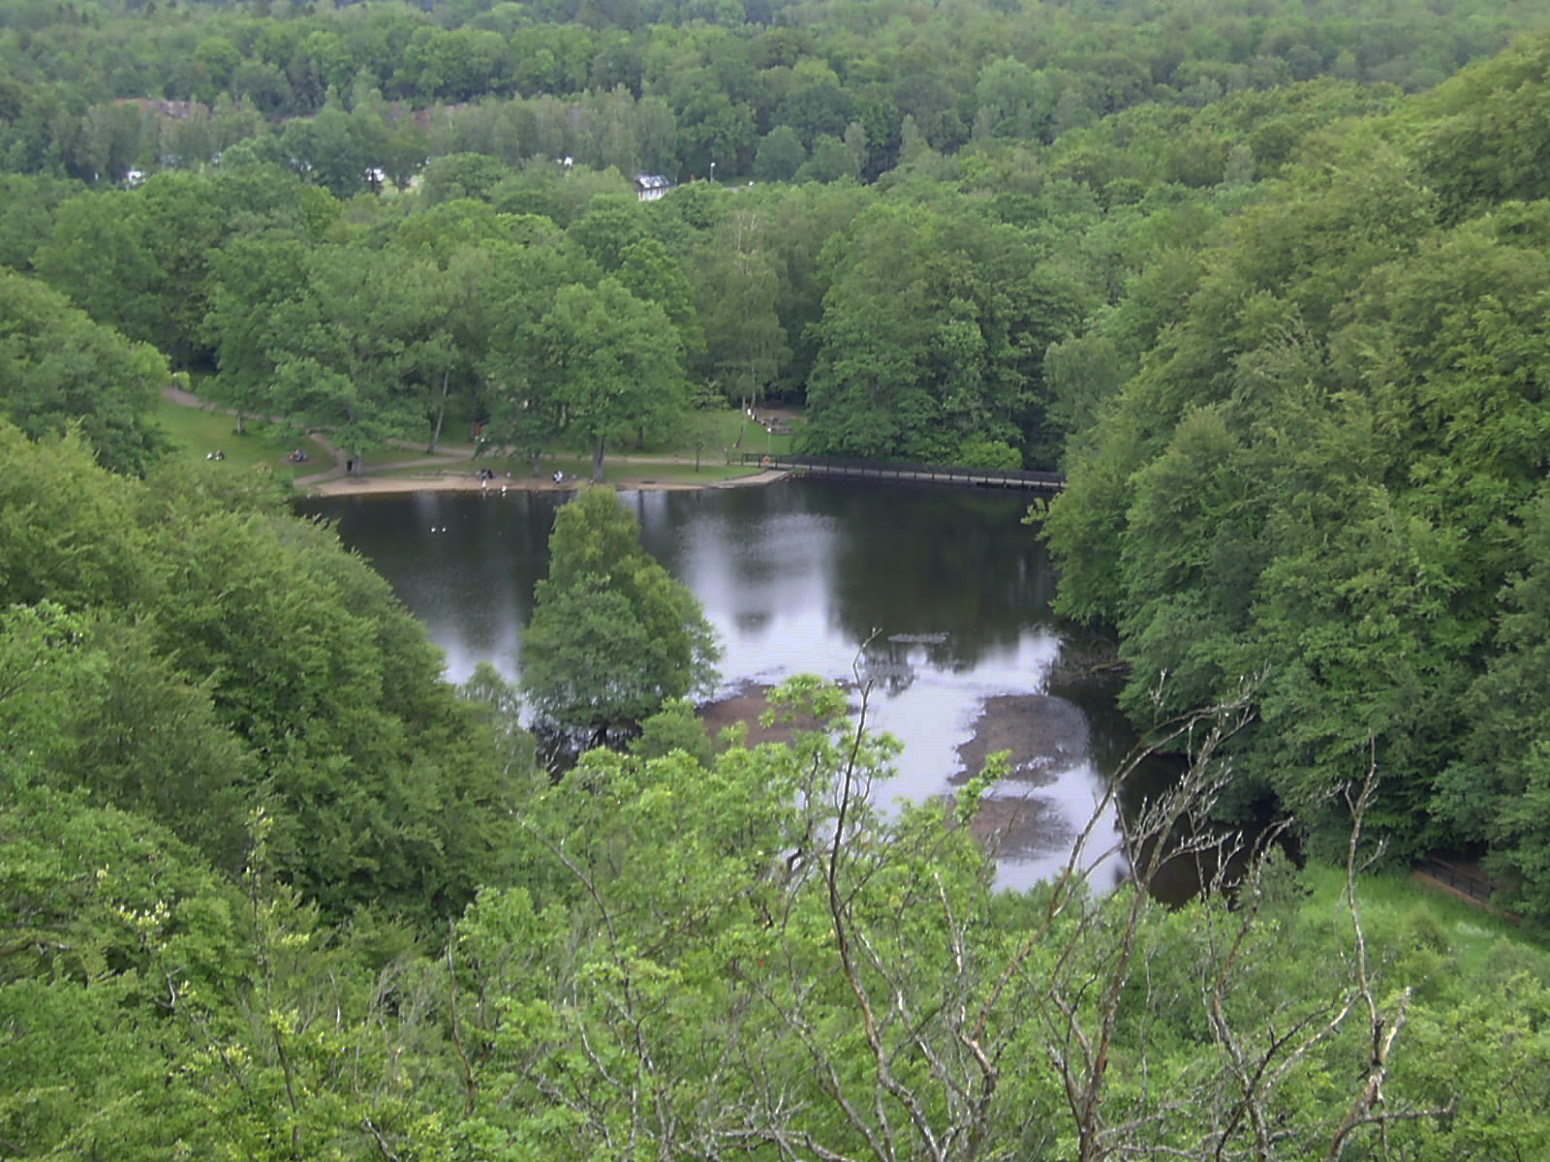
(713, 173)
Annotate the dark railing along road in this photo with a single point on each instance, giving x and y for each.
(1046, 482)
(1458, 879)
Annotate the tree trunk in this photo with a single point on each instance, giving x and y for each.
(597, 461)
(355, 466)
(441, 411)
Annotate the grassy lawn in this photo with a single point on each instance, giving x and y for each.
(729, 430)
(195, 433)
(1392, 901)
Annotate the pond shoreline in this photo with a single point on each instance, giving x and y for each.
(794, 579)
(1042, 732)
(469, 482)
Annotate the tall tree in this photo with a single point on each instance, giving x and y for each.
(933, 336)
(336, 347)
(255, 281)
(612, 363)
(382, 786)
(613, 636)
(738, 295)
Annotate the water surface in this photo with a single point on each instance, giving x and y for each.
(949, 588)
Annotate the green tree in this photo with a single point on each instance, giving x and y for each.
(181, 225)
(612, 364)
(139, 260)
(934, 329)
(1014, 100)
(1321, 468)
(497, 702)
(328, 150)
(384, 789)
(462, 175)
(58, 369)
(832, 161)
(515, 389)
(676, 727)
(98, 258)
(653, 275)
(98, 709)
(113, 927)
(611, 224)
(781, 154)
(793, 924)
(336, 348)
(254, 280)
(738, 303)
(1500, 784)
(613, 636)
(28, 207)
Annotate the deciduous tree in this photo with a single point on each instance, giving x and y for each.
(613, 635)
(612, 363)
(58, 368)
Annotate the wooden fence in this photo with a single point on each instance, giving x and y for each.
(1044, 482)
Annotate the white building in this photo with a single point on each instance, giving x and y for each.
(649, 187)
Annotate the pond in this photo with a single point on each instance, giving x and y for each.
(949, 587)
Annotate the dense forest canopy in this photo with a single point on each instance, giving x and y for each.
(913, 316)
(1325, 473)
(92, 90)
(1258, 276)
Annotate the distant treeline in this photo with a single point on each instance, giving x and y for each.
(912, 317)
(94, 89)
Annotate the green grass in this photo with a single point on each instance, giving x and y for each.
(195, 433)
(1392, 901)
(722, 432)
(735, 432)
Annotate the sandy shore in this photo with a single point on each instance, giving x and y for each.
(455, 481)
